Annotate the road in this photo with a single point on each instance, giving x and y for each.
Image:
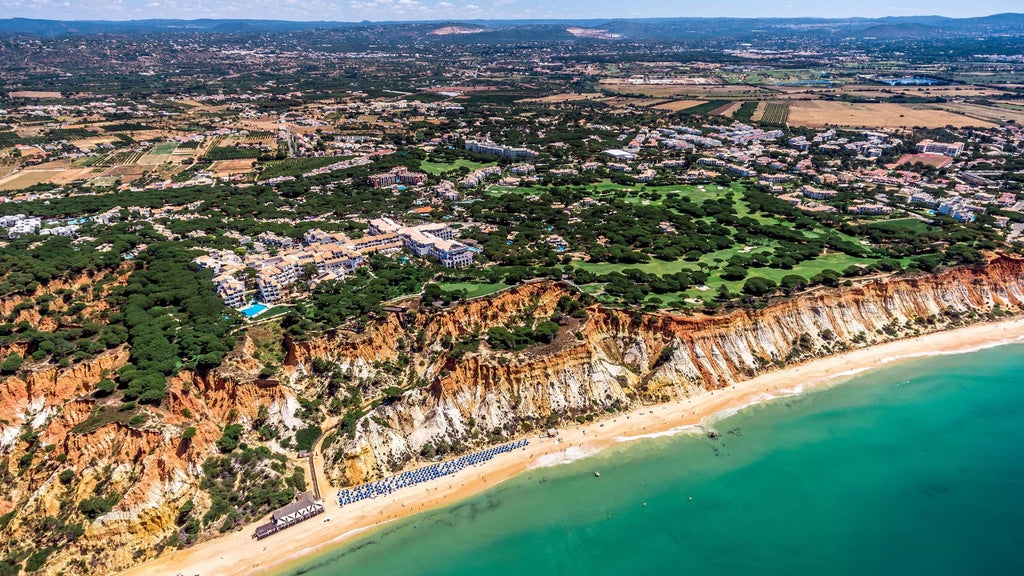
(284, 133)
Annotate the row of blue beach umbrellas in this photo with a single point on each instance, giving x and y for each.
(388, 485)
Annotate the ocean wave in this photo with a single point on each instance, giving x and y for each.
(957, 352)
(567, 456)
(687, 429)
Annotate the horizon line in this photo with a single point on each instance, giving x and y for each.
(450, 20)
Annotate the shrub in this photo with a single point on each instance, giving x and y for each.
(759, 286)
(305, 438)
(734, 273)
(11, 364)
(229, 441)
(93, 508)
(38, 558)
(106, 386)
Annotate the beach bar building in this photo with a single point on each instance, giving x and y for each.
(304, 508)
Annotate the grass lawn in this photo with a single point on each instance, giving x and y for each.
(440, 168)
(523, 190)
(908, 224)
(270, 313)
(661, 267)
(743, 211)
(592, 289)
(655, 266)
(474, 290)
(808, 270)
(696, 193)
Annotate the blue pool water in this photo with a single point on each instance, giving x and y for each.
(254, 310)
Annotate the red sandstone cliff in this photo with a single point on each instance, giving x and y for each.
(612, 359)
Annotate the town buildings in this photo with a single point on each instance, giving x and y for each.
(427, 241)
(506, 152)
(933, 147)
(399, 175)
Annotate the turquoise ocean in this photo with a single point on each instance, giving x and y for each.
(913, 469)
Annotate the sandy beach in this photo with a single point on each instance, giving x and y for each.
(238, 554)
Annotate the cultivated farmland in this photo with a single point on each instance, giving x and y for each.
(727, 109)
(679, 105)
(159, 154)
(818, 114)
(118, 158)
(775, 113)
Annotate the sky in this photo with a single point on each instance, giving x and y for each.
(378, 10)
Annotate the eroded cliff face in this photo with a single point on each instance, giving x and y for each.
(53, 422)
(618, 358)
(458, 392)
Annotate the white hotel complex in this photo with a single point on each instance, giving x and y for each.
(325, 256)
(435, 241)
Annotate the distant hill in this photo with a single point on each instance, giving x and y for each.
(665, 29)
(74, 27)
(905, 30)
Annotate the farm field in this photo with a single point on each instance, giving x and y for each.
(297, 166)
(678, 105)
(127, 174)
(231, 167)
(745, 112)
(996, 114)
(34, 94)
(163, 148)
(875, 91)
(776, 113)
(91, 143)
(72, 174)
(144, 135)
(102, 182)
(759, 111)
(26, 178)
(119, 158)
(769, 76)
(184, 151)
(727, 109)
(818, 114)
(262, 137)
(620, 102)
(690, 91)
(159, 154)
(568, 97)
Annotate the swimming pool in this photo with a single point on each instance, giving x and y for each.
(254, 310)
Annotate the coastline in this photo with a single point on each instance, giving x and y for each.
(237, 554)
